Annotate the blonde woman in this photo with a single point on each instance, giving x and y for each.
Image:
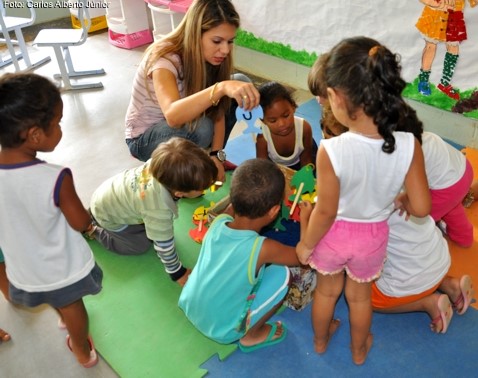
(183, 85)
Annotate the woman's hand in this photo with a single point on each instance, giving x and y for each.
(246, 94)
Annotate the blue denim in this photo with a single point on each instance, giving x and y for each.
(143, 146)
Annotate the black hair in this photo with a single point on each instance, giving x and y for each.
(368, 73)
(26, 100)
(257, 185)
(273, 91)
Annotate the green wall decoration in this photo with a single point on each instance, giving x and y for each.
(282, 51)
(279, 50)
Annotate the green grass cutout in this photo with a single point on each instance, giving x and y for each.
(437, 98)
(279, 50)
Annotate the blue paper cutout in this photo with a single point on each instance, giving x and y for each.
(250, 117)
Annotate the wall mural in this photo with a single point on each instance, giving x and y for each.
(436, 39)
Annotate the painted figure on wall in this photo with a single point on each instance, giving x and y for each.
(441, 21)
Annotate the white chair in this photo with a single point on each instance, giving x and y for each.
(15, 24)
(61, 40)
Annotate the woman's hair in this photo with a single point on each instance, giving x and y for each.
(185, 40)
(257, 185)
(273, 91)
(26, 100)
(368, 74)
(181, 165)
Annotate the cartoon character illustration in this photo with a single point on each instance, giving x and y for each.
(441, 22)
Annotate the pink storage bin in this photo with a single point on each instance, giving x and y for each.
(130, 41)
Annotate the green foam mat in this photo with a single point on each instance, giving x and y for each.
(135, 321)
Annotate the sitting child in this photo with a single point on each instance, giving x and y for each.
(240, 279)
(47, 260)
(286, 139)
(136, 208)
(417, 264)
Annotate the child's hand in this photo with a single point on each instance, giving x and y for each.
(400, 205)
(303, 253)
(305, 211)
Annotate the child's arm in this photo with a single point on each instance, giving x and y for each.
(307, 140)
(261, 147)
(325, 210)
(166, 251)
(418, 200)
(274, 252)
(70, 204)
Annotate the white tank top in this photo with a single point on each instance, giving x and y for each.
(417, 257)
(370, 179)
(298, 148)
(444, 164)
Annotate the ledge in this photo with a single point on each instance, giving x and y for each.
(270, 67)
(452, 126)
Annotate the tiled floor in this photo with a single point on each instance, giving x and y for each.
(93, 147)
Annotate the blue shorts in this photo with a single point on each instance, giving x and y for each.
(2, 259)
(359, 248)
(273, 289)
(59, 298)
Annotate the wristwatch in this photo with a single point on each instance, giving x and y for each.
(220, 154)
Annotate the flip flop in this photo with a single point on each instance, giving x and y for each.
(466, 296)
(93, 355)
(268, 341)
(446, 313)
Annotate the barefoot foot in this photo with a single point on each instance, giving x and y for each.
(360, 355)
(320, 346)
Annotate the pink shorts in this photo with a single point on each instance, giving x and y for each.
(359, 248)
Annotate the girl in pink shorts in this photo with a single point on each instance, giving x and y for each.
(359, 177)
(343, 248)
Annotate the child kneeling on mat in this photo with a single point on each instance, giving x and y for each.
(240, 280)
(136, 208)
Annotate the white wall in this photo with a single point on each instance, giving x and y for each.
(317, 25)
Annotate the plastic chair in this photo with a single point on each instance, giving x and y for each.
(15, 24)
(61, 40)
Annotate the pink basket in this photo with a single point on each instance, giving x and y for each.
(130, 41)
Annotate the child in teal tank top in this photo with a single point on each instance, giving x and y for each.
(241, 278)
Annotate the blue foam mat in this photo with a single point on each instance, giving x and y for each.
(403, 346)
